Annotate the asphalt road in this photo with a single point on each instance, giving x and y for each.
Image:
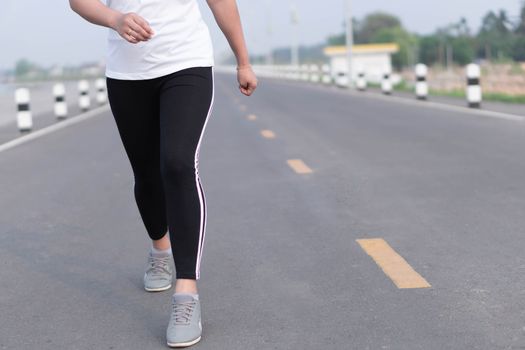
(281, 268)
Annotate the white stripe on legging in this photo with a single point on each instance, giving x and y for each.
(202, 198)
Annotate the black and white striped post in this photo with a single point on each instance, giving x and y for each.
(59, 93)
(24, 119)
(84, 101)
(361, 82)
(386, 83)
(421, 81)
(474, 93)
(101, 91)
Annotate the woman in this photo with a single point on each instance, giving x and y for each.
(160, 84)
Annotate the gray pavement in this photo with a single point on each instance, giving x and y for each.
(281, 268)
(494, 106)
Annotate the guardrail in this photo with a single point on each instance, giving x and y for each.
(325, 75)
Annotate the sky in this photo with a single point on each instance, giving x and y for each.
(49, 32)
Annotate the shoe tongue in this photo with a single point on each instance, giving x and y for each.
(182, 297)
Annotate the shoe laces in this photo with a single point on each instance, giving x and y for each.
(182, 311)
(158, 265)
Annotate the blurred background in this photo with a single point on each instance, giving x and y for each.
(52, 41)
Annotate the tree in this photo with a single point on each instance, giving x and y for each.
(22, 67)
(520, 27)
(407, 43)
(381, 27)
(368, 29)
(497, 38)
(518, 48)
(336, 39)
(494, 38)
(518, 45)
(458, 37)
(455, 37)
(429, 49)
(463, 48)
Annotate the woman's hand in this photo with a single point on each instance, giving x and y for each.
(247, 79)
(132, 27)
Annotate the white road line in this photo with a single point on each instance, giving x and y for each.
(49, 129)
(442, 106)
(407, 101)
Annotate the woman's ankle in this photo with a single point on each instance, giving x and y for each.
(184, 285)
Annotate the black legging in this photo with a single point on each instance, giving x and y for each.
(161, 122)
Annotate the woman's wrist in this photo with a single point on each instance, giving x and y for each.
(113, 19)
(243, 66)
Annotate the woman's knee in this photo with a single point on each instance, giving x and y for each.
(177, 165)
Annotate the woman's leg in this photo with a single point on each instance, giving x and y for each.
(135, 107)
(186, 100)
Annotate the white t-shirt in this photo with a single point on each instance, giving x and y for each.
(181, 40)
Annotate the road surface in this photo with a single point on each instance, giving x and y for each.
(281, 266)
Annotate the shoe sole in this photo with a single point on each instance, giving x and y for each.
(157, 289)
(180, 345)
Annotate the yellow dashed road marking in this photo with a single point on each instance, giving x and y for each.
(392, 264)
(252, 117)
(268, 134)
(298, 166)
(242, 107)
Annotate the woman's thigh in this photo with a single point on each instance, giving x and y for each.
(186, 99)
(135, 107)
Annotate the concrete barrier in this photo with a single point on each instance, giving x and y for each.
(24, 118)
(386, 83)
(304, 72)
(361, 83)
(341, 79)
(60, 107)
(84, 100)
(100, 84)
(473, 93)
(326, 76)
(314, 74)
(297, 72)
(421, 86)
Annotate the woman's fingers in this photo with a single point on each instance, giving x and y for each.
(131, 39)
(249, 87)
(145, 26)
(141, 29)
(247, 81)
(134, 28)
(137, 32)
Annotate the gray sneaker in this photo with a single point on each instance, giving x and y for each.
(158, 275)
(184, 328)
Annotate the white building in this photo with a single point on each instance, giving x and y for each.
(371, 59)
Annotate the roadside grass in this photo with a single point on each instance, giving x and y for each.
(487, 96)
